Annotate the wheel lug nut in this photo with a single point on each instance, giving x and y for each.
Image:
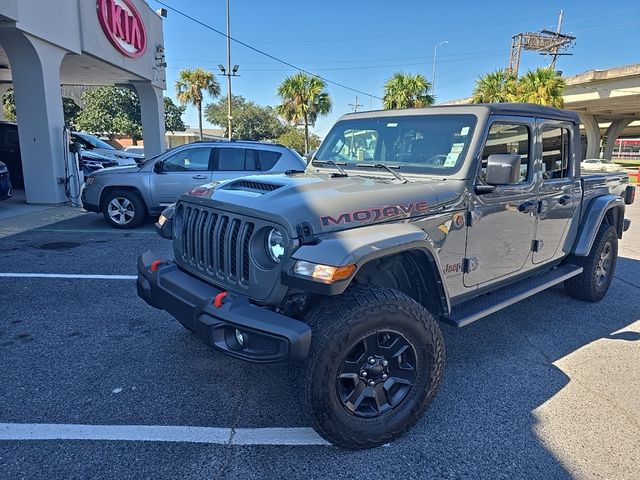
(372, 360)
(385, 363)
(371, 383)
(384, 376)
(363, 373)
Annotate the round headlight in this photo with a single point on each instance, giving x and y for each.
(275, 245)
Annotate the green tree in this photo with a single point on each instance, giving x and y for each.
(495, 87)
(70, 108)
(404, 90)
(250, 120)
(543, 86)
(304, 98)
(293, 137)
(111, 111)
(173, 116)
(191, 87)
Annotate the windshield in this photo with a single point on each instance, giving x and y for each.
(89, 141)
(434, 144)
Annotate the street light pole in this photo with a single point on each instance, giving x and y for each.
(229, 117)
(433, 73)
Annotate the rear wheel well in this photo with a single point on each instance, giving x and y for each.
(107, 190)
(412, 272)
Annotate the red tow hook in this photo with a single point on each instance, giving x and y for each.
(217, 300)
(155, 265)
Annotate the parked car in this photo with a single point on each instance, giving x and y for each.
(600, 165)
(5, 182)
(137, 149)
(94, 144)
(347, 267)
(126, 195)
(96, 153)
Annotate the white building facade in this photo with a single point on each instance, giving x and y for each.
(45, 44)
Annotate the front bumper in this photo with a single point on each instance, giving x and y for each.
(269, 337)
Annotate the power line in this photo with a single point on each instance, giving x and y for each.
(261, 52)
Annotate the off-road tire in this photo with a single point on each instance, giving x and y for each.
(586, 285)
(139, 209)
(337, 324)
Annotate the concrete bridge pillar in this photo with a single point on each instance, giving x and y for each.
(612, 134)
(592, 130)
(35, 69)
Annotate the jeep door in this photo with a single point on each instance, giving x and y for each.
(559, 188)
(179, 173)
(499, 235)
(233, 162)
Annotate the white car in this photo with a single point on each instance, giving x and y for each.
(94, 144)
(135, 149)
(599, 165)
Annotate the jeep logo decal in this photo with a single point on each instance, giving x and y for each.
(375, 214)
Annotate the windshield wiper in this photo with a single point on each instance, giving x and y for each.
(343, 173)
(382, 166)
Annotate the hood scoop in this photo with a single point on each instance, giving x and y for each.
(254, 186)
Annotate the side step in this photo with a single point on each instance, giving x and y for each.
(489, 303)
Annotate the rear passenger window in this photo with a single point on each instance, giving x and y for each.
(507, 138)
(268, 159)
(555, 153)
(237, 159)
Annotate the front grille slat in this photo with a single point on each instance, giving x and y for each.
(219, 244)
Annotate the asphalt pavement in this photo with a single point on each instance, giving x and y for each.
(548, 388)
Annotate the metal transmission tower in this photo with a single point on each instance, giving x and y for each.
(544, 42)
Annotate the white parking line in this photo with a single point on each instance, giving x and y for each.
(158, 433)
(67, 275)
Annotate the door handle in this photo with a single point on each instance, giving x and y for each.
(528, 207)
(199, 177)
(564, 199)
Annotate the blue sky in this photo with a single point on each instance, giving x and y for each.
(360, 44)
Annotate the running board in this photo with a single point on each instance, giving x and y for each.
(489, 303)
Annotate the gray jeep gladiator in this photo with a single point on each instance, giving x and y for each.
(401, 218)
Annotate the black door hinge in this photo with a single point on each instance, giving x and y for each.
(537, 245)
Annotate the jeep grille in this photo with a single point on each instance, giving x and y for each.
(217, 243)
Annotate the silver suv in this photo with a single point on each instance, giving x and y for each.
(126, 195)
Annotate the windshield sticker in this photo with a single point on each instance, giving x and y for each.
(391, 125)
(452, 156)
(465, 131)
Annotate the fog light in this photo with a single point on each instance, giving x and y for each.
(240, 337)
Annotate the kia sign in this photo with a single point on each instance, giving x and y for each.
(123, 26)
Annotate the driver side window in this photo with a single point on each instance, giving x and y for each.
(506, 138)
(188, 160)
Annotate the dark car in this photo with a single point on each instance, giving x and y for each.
(96, 154)
(5, 182)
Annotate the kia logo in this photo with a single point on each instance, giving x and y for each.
(123, 26)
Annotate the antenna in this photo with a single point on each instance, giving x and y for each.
(545, 42)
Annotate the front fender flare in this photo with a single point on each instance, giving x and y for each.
(359, 246)
(593, 218)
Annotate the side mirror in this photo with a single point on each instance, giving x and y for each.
(503, 169)
(158, 167)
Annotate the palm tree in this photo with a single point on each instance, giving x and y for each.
(495, 87)
(304, 98)
(404, 90)
(192, 84)
(543, 86)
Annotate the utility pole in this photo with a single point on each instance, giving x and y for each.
(433, 73)
(229, 117)
(555, 50)
(355, 105)
(545, 42)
